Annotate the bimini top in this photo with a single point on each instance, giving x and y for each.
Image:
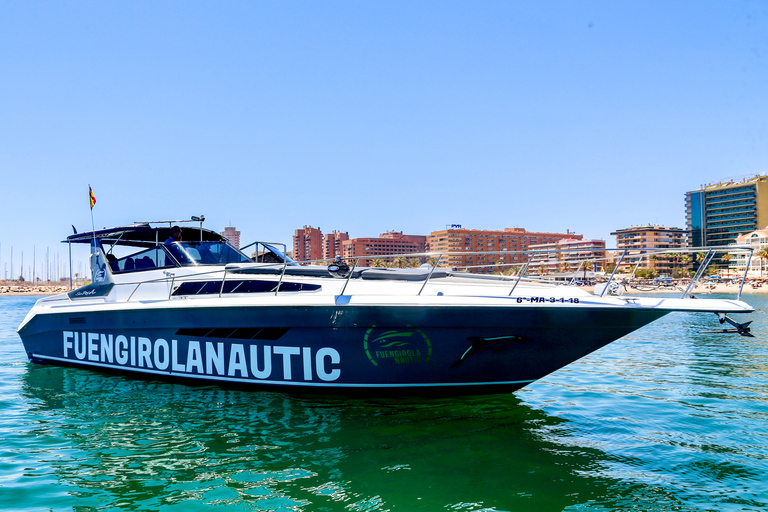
(142, 234)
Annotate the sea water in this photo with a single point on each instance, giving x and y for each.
(665, 419)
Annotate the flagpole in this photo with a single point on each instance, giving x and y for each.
(94, 243)
(92, 201)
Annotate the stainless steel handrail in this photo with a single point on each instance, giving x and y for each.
(746, 273)
(705, 263)
(432, 270)
(223, 279)
(639, 253)
(520, 275)
(610, 279)
(702, 267)
(349, 276)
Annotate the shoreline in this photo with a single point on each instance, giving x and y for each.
(45, 289)
(7, 289)
(732, 289)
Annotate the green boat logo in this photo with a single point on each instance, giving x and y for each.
(396, 346)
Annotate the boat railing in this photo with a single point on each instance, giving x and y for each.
(268, 251)
(690, 270)
(519, 269)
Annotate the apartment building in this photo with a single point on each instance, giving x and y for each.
(648, 238)
(504, 243)
(566, 255)
(389, 243)
(308, 244)
(758, 241)
(718, 213)
(510, 245)
(332, 244)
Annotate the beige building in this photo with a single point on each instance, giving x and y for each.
(566, 255)
(649, 238)
(758, 240)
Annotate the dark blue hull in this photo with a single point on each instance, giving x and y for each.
(333, 348)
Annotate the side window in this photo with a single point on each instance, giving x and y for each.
(144, 260)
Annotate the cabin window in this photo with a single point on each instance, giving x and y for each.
(149, 259)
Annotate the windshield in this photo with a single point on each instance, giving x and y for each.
(179, 253)
(206, 253)
(272, 254)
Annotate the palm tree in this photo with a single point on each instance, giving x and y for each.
(699, 259)
(400, 262)
(725, 258)
(762, 254)
(378, 262)
(675, 258)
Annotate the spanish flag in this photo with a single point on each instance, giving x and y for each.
(91, 196)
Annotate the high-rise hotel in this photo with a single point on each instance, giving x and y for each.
(717, 213)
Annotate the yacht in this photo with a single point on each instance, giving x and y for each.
(201, 310)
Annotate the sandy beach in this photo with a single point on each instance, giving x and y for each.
(633, 289)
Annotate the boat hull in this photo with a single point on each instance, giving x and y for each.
(336, 348)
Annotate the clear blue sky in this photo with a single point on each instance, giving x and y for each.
(370, 116)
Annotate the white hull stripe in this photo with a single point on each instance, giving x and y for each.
(274, 382)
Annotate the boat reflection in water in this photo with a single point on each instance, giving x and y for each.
(143, 444)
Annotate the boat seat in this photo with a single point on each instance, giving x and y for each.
(145, 262)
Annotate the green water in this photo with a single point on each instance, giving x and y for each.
(666, 419)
